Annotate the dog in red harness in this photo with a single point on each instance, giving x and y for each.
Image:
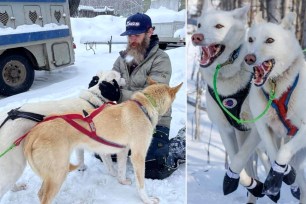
(18, 122)
(276, 59)
(116, 129)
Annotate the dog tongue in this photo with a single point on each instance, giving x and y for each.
(258, 74)
(206, 55)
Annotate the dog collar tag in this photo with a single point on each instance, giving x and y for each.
(229, 103)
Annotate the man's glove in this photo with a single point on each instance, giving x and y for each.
(94, 81)
(110, 91)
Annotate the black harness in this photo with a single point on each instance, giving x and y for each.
(16, 113)
(233, 103)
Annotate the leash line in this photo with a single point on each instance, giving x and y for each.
(7, 150)
(240, 121)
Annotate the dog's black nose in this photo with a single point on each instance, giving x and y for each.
(250, 59)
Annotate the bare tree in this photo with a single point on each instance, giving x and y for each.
(227, 4)
(73, 7)
(146, 5)
(296, 9)
(197, 108)
(303, 24)
(273, 10)
(182, 5)
(284, 6)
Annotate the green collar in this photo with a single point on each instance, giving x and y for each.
(151, 99)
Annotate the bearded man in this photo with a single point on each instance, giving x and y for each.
(142, 59)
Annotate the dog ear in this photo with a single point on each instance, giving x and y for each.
(242, 13)
(174, 90)
(288, 21)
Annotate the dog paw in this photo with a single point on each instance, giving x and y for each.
(273, 183)
(82, 167)
(295, 191)
(125, 181)
(256, 188)
(230, 184)
(289, 175)
(274, 198)
(19, 187)
(152, 200)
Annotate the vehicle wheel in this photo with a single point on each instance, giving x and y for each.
(163, 46)
(16, 74)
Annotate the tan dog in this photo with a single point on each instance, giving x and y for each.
(14, 162)
(130, 124)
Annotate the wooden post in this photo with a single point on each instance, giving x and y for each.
(110, 44)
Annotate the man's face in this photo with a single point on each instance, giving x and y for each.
(136, 40)
(137, 46)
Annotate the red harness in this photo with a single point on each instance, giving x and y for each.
(69, 118)
(281, 108)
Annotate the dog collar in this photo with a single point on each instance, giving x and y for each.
(233, 56)
(151, 99)
(281, 107)
(144, 110)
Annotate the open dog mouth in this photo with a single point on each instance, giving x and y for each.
(262, 71)
(210, 53)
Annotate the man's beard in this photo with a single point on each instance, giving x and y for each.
(135, 55)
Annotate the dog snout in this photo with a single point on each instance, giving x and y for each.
(250, 59)
(197, 38)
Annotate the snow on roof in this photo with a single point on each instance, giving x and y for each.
(90, 8)
(31, 28)
(87, 8)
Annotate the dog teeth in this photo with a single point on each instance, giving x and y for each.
(218, 49)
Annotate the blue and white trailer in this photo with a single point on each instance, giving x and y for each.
(34, 35)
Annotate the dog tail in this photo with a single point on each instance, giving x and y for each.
(73, 167)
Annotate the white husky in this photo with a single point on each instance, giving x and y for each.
(13, 163)
(277, 60)
(221, 35)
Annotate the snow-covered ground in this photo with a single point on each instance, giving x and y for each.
(95, 186)
(206, 157)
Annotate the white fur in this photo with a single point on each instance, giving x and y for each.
(13, 163)
(289, 61)
(231, 78)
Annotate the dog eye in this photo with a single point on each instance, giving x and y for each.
(251, 40)
(218, 26)
(199, 25)
(270, 40)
